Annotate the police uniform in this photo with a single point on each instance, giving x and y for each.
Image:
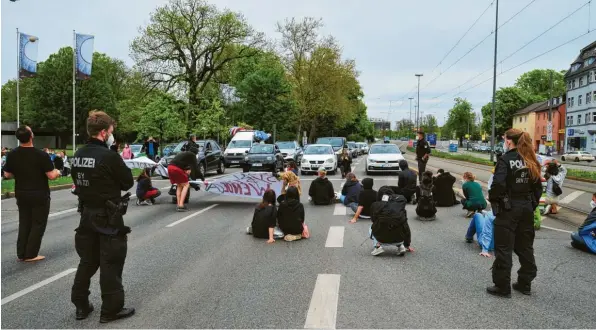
(422, 149)
(514, 197)
(100, 240)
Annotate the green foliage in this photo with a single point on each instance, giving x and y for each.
(461, 119)
(211, 122)
(538, 83)
(456, 156)
(161, 118)
(508, 100)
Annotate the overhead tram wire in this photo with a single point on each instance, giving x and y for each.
(477, 45)
(517, 66)
(518, 50)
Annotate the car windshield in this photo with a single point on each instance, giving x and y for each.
(351, 145)
(240, 144)
(385, 149)
(136, 148)
(318, 150)
(286, 145)
(335, 142)
(261, 149)
(181, 144)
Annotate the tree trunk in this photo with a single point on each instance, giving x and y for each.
(313, 131)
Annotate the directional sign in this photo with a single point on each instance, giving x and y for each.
(549, 131)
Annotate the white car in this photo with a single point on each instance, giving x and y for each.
(289, 149)
(383, 158)
(317, 155)
(576, 156)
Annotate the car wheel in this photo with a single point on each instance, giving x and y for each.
(221, 168)
(577, 159)
(367, 172)
(302, 172)
(563, 158)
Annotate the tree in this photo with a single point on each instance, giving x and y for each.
(537, 82)
(461, 118)
(211, 122)
(188, 41)
(161, 118)
(429, 124)
(508, 100)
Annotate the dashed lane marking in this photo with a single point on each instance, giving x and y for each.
(335, 237)
(190, 216)
(322, 312)
(340, 209)
(37, 286)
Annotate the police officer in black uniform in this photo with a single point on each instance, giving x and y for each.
(191, 145)
(422, 154)
(100, 240)
(514, 195)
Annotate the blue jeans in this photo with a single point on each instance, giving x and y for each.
(476, 225)
(375, 242)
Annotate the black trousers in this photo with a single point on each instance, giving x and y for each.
(514, 232)
(33, 218)
(421, 169)
(400, 191)
(107, 253)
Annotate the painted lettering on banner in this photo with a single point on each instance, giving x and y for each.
(251, 184)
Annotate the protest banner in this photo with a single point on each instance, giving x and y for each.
(247, 185)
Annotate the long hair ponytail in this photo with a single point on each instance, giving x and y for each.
(523, 143)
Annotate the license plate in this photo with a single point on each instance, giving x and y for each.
(257, 164)
(386, 165)
(235, 162)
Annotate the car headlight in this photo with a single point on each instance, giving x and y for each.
(269, 158)
(372, 160)
(330, 160)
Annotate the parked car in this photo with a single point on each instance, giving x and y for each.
(353, 149)
(289, 149)
(383, 158)
(210, 156)
(337, 143)
(317, 155)
(264, 158)
(167, 150)
(577, 156)
(363, 147)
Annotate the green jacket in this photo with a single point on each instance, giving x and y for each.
(474, 196)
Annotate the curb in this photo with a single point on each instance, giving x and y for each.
(10, 194)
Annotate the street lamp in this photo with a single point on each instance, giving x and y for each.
(410, 124)
(417, 113)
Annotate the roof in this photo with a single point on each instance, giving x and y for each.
(531, 108)
(585, 53)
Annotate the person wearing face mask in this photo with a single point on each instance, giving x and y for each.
(585, 237)
(514, 195)
(101, 237)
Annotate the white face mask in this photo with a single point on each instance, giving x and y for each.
(110, 140)
(592, 203)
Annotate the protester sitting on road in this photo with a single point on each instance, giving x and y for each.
(389, 222)
(289, 180)
(264, 218)
(365, 200)
(146, 193)
(443, 189)
(345, 163)
(474, 198)
(180, 168)
(292, 167)
(426, 209)
(585, 237)
(482, 225)
(406, 183)
(555, 175)
(350, 192)
(290, 215)
(321, 189)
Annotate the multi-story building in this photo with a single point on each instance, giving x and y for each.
(380, 124)
(525, 119)
(557, 105)
(581, 102)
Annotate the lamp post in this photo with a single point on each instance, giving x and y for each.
(410, 123)
(418, 111)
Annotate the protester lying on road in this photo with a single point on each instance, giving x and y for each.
(389, 222)
(146, 193)
(482, 225)
(321, 189)
(585, 237)
(555, 175)
(350, 192)
(406, 183)
(426, 209)
(264, 218)
(474, 198)
(365, 200)
(290, 215)
(443, 189)
(289, 180)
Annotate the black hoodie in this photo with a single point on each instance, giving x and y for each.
(263, 219)
(290, 215)
(321, 191)
(406, 179)
(443, 189)
(390, 220)
(367, 196)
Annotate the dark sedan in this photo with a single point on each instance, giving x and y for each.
(264, 158)
(210, 156)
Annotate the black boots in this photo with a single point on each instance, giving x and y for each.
(123, 313)
(496, 291)
(82, 313)
(525, 289)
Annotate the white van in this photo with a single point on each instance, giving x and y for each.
(241, 142)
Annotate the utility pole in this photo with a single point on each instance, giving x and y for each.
(410, 123)
(549, 131)
(418, 111)
(492, 138)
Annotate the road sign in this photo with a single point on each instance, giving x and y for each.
(570, 132)
(549, 131)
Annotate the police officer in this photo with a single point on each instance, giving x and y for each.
(100, 240)
(514, 195)
(422, 154)
(191, 145)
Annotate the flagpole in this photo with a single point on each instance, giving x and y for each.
(74, 72)
(18, 77)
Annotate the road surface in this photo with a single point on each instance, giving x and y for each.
(205, 272)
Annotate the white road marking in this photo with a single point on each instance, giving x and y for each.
(322, 312)
(37, 286)
(335, 237)
(557, 229)
(340, 209)
(569, 198)
(190, 216)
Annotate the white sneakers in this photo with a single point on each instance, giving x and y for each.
(401, 251)
(378, 250)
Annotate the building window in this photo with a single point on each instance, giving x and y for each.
(526, 119)
(594, 117)
(591, 76)
(572, 101)
(587, 119)
(579, 100)
(579, 119)
(588, 98)
(569, 102)
(581, 81)
(570, 120)
(573, 83)
(569, 84)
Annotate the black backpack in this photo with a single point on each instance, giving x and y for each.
(392, 213)
(426, 204)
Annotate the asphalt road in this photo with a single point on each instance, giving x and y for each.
(205, 272)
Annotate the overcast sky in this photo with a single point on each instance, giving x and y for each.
(391, 40)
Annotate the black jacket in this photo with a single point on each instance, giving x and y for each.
(99, 174)
(321, 191)
(58, 163)
(407, 181)
(155, 147)
(191, 146)
(390, 221)
(443, 189)
(263, 219)
(290, 217)
(345, 163)
(187, 160)
(512, 178)
(422, 149)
